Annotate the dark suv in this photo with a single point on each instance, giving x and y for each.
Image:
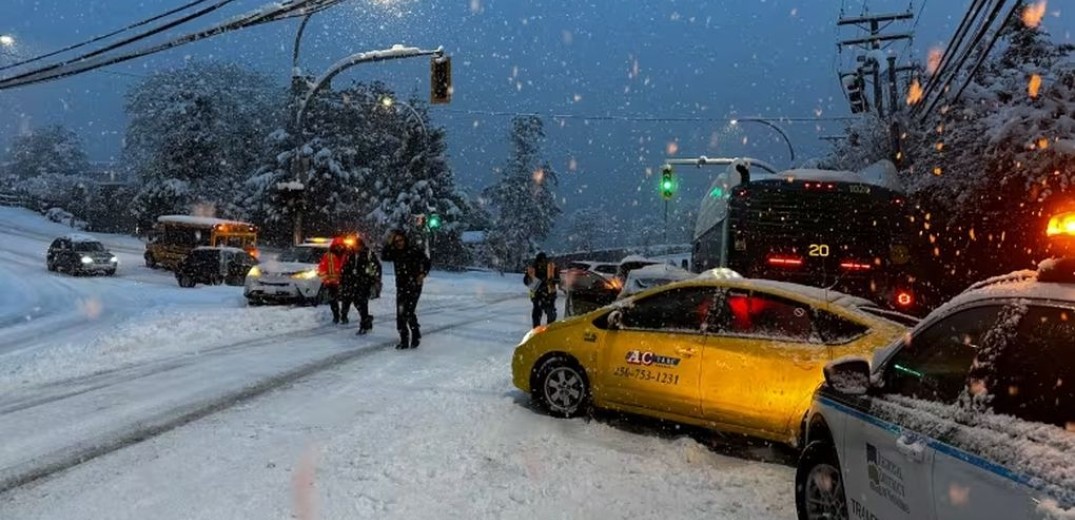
(214, 266)
(80, 254)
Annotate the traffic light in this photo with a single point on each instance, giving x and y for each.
(856, 93)
(668, 182)
(434, 222)
(440, 80)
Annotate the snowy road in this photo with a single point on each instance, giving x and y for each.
(158, 402)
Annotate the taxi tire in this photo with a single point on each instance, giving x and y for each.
(817, 453)
(551, 367)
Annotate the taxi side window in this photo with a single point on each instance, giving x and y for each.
(1036, 381)
(835, 330)
(767, 316)
(675, 310)
(934, 364)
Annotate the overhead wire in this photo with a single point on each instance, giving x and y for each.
(124, 42)
(643, 118)
(96, 39)
(983, 30)
(88, 63)
(951, 49)
(988, 48)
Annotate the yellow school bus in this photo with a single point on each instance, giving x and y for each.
(175, 236)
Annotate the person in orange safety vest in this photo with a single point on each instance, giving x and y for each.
(330, 270)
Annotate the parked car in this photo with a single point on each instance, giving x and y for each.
(291, 277)
(587, 290)
(80, 254)
(736, 355)
(214, 266)
(970, 416)
(604, 269)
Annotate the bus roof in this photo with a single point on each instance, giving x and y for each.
(714, 208)
(191, 220)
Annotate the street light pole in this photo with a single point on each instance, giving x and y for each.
(302, 172)
(770, 124)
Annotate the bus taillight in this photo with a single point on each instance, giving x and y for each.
(855, 266)
(785, 261)
(904, 298)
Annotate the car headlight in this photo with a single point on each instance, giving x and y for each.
(305, 275)
(87, 260)
(114, 260)
(254, 271)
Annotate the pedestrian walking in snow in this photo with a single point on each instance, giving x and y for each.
(542, 277)
(330, 270)
(359, 282)
(412, 265)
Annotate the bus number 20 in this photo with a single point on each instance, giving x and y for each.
(819, 250)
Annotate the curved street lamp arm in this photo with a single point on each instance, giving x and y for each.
(766, 122)
(298, 42)
(395, 53)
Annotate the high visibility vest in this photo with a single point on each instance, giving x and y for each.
(330, 275)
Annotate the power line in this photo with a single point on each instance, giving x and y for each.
(946, 69)
(643, 118)
(985, 52)
(270, 13)
(106, 36)
(986, 24)
(124, 42)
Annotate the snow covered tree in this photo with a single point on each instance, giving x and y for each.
(373, 166)
(522, 200)
(585, 228)
(986, 168)
(195, 133)
(51, 150)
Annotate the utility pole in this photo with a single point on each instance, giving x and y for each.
(875, 41)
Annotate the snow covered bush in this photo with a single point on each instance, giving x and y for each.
(48, 151)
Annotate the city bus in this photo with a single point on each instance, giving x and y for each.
(175, 236)
(846, 231)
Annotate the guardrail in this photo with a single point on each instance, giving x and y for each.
(18, 200)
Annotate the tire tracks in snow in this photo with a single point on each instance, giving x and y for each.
(163, 422)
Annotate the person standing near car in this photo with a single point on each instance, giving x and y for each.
(542, 278)
(412, 265)
(331, 270)
(359, 282)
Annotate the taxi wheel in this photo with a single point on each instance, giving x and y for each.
(819, 485)
(562, 388)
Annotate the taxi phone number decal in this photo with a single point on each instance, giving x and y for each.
(643, 374)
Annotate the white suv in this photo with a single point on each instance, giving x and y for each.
(970, 416)
(291, 277)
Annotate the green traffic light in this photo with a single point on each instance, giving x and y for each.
(667, 185)
(434, 221)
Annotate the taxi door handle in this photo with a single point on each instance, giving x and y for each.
(914, 451)
(687, 352)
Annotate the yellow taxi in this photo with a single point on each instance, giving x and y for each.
(730, 354)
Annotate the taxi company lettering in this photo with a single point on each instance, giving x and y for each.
(886, 478)
(637, 357)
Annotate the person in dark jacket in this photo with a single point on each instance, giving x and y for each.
(542, 278)
(412, 265)
(360, 281)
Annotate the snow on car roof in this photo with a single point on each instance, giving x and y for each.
(80, 237)
(1018, 285)
(637, 258)
(200, 221)
(816, 293)
(220, 248)
(660, 271)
